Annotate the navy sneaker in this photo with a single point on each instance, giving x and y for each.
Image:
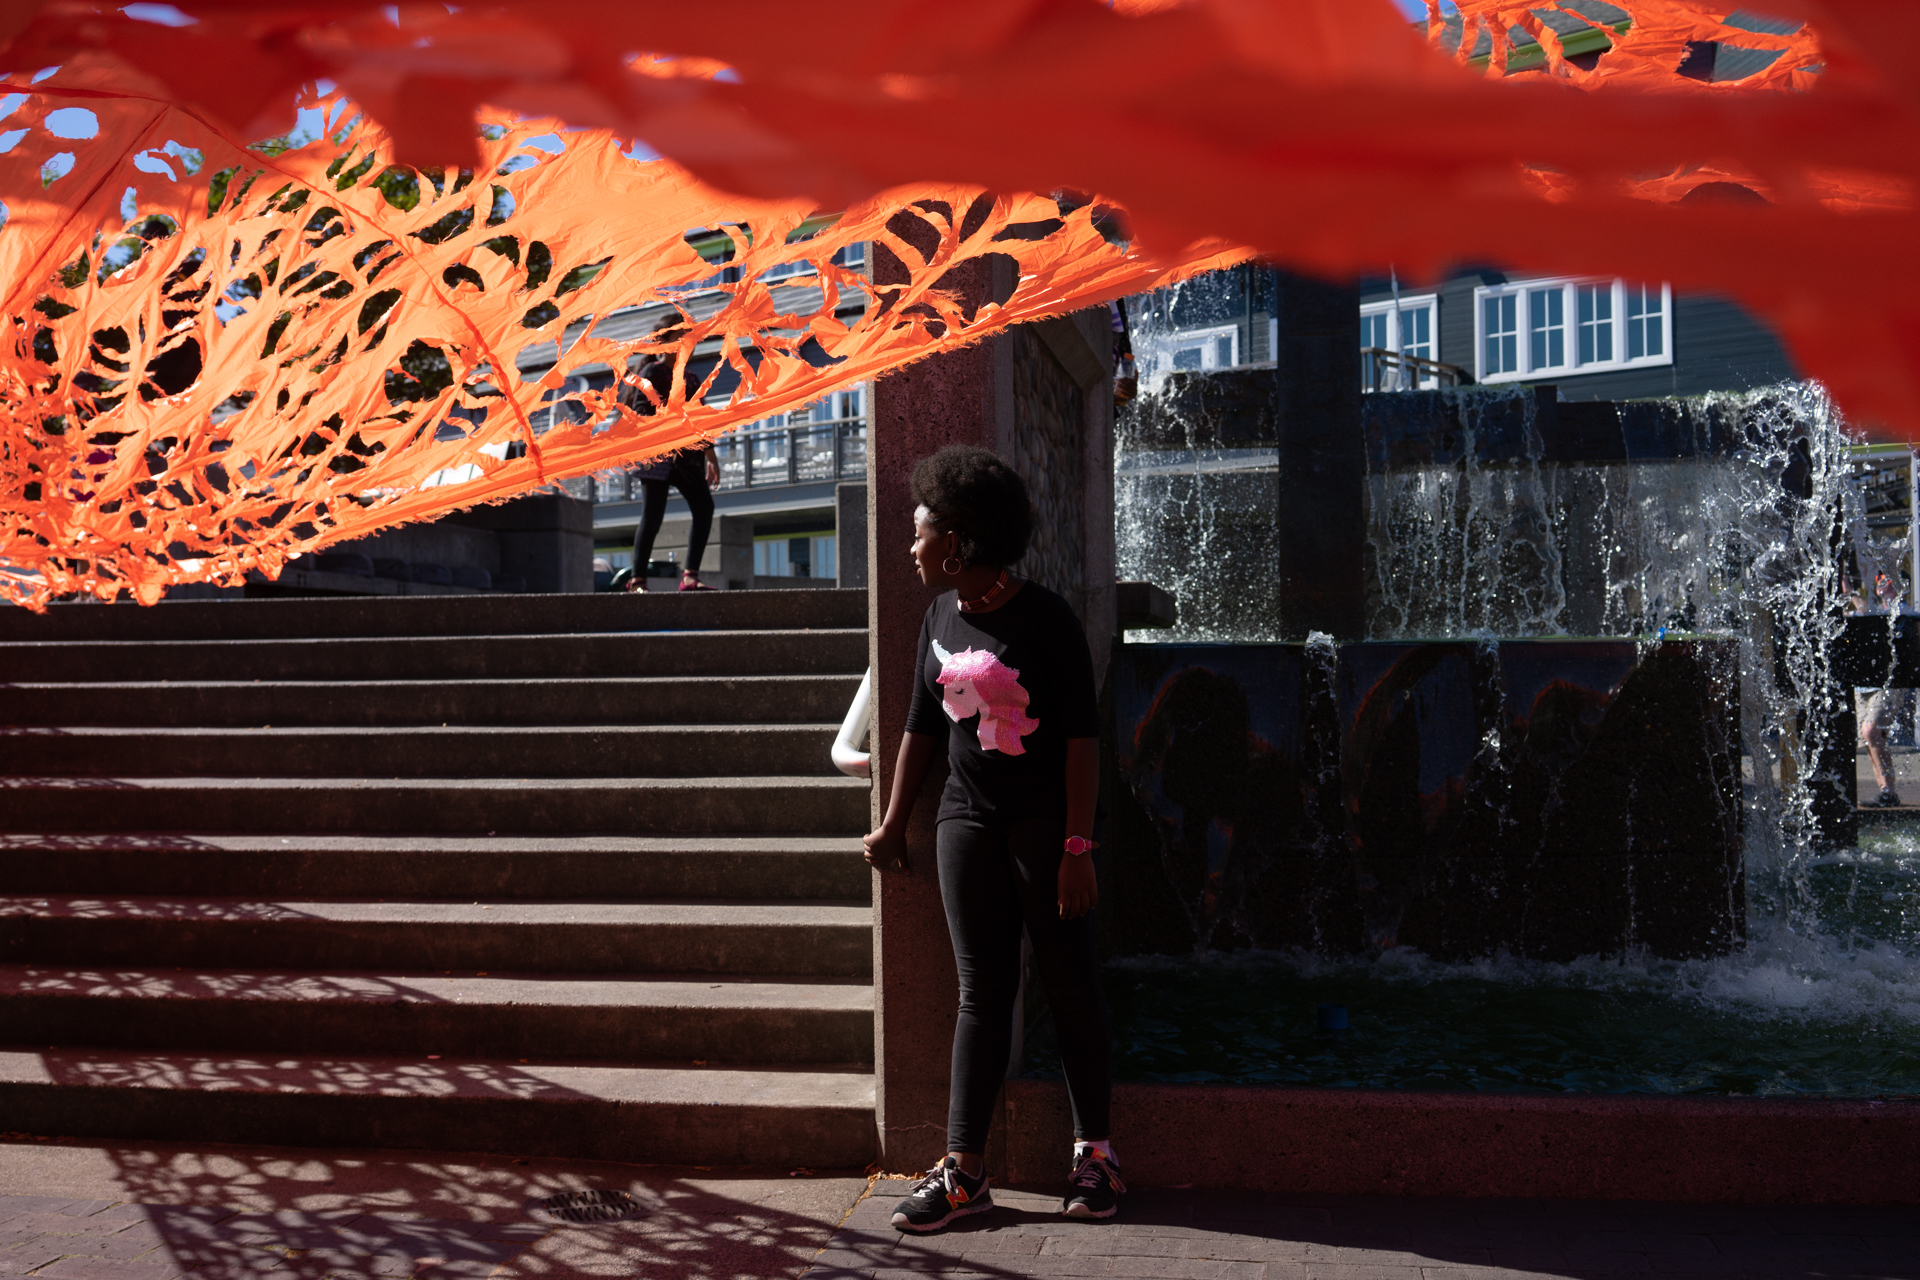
(944, 1195)
(1096, 1188)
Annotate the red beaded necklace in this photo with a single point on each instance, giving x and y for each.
(978, 603)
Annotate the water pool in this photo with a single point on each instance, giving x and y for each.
(1831, 1009)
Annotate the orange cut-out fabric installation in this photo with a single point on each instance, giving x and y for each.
(230, 366)
(279, 352)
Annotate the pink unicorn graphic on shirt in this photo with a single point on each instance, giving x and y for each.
(975, 682)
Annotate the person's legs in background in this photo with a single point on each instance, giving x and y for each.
(653, 510)
(689, 475)
(1875, 717)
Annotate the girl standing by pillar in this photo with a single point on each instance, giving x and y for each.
(1005, 674)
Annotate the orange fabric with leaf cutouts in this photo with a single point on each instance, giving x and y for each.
(1329, 135)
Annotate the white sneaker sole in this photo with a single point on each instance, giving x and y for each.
(1087, 1211)
(902, 1223)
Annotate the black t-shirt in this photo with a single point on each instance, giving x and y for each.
(658, 371)
(1026, 665)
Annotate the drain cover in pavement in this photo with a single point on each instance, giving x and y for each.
(590, 1206)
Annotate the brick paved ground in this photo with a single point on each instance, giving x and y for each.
(77, 1210)
(259, 1214)
(100, 1240)
(1208, 1236)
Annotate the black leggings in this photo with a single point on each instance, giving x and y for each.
(995, 881)
(688, 474)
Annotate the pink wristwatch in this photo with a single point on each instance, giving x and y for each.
(1078, 844)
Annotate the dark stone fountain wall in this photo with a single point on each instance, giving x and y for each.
(1547, 798)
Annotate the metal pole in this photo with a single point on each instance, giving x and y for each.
(1913, 532)
(1399, 343)
(1245, 353)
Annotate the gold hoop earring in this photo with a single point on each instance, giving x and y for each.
(955, 562)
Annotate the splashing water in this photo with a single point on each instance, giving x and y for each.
(1743, 539)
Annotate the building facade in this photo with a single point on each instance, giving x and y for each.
(1593, 338)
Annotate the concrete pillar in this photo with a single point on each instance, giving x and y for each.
(1082, 345)
(1043, 399)
(1321, 519)
(726, 563)
(948, 399)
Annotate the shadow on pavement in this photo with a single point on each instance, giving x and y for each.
(215, 1213)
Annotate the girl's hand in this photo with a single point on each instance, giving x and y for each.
(886, 849)
(1079, 889)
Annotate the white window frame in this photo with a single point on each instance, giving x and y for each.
(1571, 365)
(1396, 341)
(1162, 347)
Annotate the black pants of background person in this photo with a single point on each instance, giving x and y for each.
(688, 474)
(997, 881)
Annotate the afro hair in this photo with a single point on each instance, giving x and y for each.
(974, 493)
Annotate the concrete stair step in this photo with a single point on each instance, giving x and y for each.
(535, 1016)
(796, 939)
(824, 805)
(440, 616)
(549, 751)
(617, 654)
(642, 1114)
(424, 868)
(783, 699)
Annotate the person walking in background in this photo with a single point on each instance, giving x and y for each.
(693, 471)
(1004, 672)
(1881, 710)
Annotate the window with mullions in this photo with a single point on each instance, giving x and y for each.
(1373, 333)
(1216, 348)
(1416, 331)
(1546, 328)
(1499, 335)
(1596, 322)
(1614, 324)
(1646, 321)
(1409, 328)
(1215, 320)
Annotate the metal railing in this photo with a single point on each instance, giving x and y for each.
(798, 453)
(847, 756)
(1384, 370)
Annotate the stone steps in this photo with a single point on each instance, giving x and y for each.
(443, 806)
(438, 751)
(640, 1113)
(600, 700)
(496, 657)
(563, 876)
(429, 868)
(442, 616)
(707, 1018)
(808, 939)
